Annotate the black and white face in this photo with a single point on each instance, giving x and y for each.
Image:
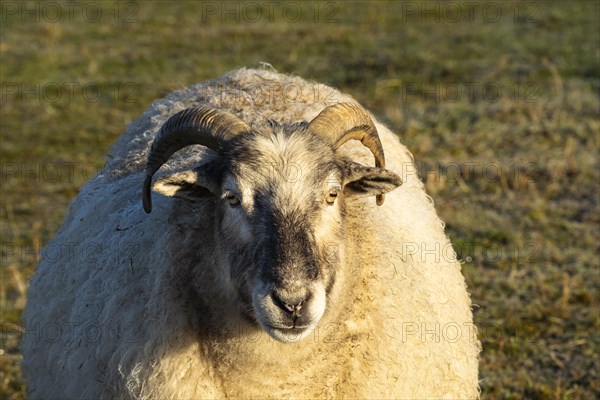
(281, 205)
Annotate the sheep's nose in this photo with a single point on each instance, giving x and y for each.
(290, 304)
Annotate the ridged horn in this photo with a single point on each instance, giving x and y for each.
(205, 126)
(346, 121)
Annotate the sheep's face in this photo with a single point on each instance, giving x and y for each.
(280, 211)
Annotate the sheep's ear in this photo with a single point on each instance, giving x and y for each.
(368, 181)
(197, 184)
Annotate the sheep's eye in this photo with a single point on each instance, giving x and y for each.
(232, 199)
(331, 196)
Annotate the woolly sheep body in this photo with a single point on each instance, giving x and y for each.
(106, 317)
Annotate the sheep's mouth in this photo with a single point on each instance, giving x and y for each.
(292, 328)
(289, 334)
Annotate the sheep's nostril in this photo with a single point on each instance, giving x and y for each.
(289, 306)
(294, 308)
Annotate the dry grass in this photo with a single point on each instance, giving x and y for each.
(515, 175)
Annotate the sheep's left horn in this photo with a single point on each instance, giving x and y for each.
(204, 126)
(346, 121)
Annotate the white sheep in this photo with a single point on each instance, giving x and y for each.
(266, 271)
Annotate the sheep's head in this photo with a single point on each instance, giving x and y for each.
(280, 196)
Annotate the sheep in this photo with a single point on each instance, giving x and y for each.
(260, 267)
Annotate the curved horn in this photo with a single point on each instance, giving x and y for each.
(346, 121)
(205, 126)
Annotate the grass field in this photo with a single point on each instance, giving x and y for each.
(498, 101)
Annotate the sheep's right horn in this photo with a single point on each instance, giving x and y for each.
(204, 126)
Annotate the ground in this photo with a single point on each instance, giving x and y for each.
(498, 101)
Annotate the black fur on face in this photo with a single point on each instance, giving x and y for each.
(285, 211)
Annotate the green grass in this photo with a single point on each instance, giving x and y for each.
(516, 178)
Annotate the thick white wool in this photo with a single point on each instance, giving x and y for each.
(106, 317)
